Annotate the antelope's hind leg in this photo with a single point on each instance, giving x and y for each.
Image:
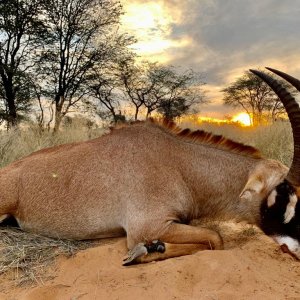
(178, 240)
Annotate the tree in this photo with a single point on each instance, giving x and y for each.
(103, 88)
(178, 93)
(254, 96)
(156, 80)
(36, 83)
(161, 88)
(132, 79)
(82, 36)
(173, 109)
(21, 35)
(104, 81)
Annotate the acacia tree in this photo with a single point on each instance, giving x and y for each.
(180, 93)
(82, 35)
(103, 87)
(161, 88)
(143, 84)
(156, 76)
(132, 83)
(105, 97)
(254, 96)
(21, 35)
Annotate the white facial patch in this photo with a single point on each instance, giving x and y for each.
(272, 198)
(290, 209)
(292, 244)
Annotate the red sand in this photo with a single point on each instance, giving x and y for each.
(250, 268)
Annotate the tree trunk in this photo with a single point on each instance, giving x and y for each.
(12, 110)
(58, 118)
(149, 111)
(136, 113)
(12, 114)
(59, 101)
(115, 117)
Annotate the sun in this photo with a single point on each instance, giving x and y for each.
(242, 118)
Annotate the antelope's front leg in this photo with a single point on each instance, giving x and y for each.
(142, 251)
(178, 240)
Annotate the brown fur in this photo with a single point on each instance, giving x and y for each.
(140, 179)
(172, 250)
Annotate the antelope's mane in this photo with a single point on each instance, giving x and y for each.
(200, 137)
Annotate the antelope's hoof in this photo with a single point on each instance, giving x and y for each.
(156, 246)
(139, 250)
(142, 249)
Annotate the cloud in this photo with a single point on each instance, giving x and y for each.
(222, 39)
(152, 24)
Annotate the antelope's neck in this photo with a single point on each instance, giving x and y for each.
(216, 178)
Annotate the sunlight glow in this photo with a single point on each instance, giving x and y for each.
(212, 120)
(158, 45)
(242, 118)
(151, 23)
(143, 16)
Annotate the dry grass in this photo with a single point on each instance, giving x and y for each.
(274, 141)
(24, 256)
(21, 142)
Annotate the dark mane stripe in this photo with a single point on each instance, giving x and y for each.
(203, 137)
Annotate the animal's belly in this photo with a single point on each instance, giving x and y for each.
(72, 230)
(69, 217)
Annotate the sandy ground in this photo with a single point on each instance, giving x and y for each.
(251, 267)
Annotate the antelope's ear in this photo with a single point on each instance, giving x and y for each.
(254, 186)
(263, 179)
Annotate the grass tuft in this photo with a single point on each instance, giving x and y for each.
(24, 256)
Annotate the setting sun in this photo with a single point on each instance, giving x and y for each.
(242, 118)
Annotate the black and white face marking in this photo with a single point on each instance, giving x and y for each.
(280, 217)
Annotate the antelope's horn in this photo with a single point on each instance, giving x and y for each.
(292, 80)
(293, 111)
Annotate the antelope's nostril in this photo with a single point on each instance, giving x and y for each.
(285, 249)
(289, 245)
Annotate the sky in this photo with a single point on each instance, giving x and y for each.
(218, 38)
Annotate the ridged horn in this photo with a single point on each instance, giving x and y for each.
(293, 111)
(292, 80)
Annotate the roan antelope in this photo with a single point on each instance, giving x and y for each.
(149, 181)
